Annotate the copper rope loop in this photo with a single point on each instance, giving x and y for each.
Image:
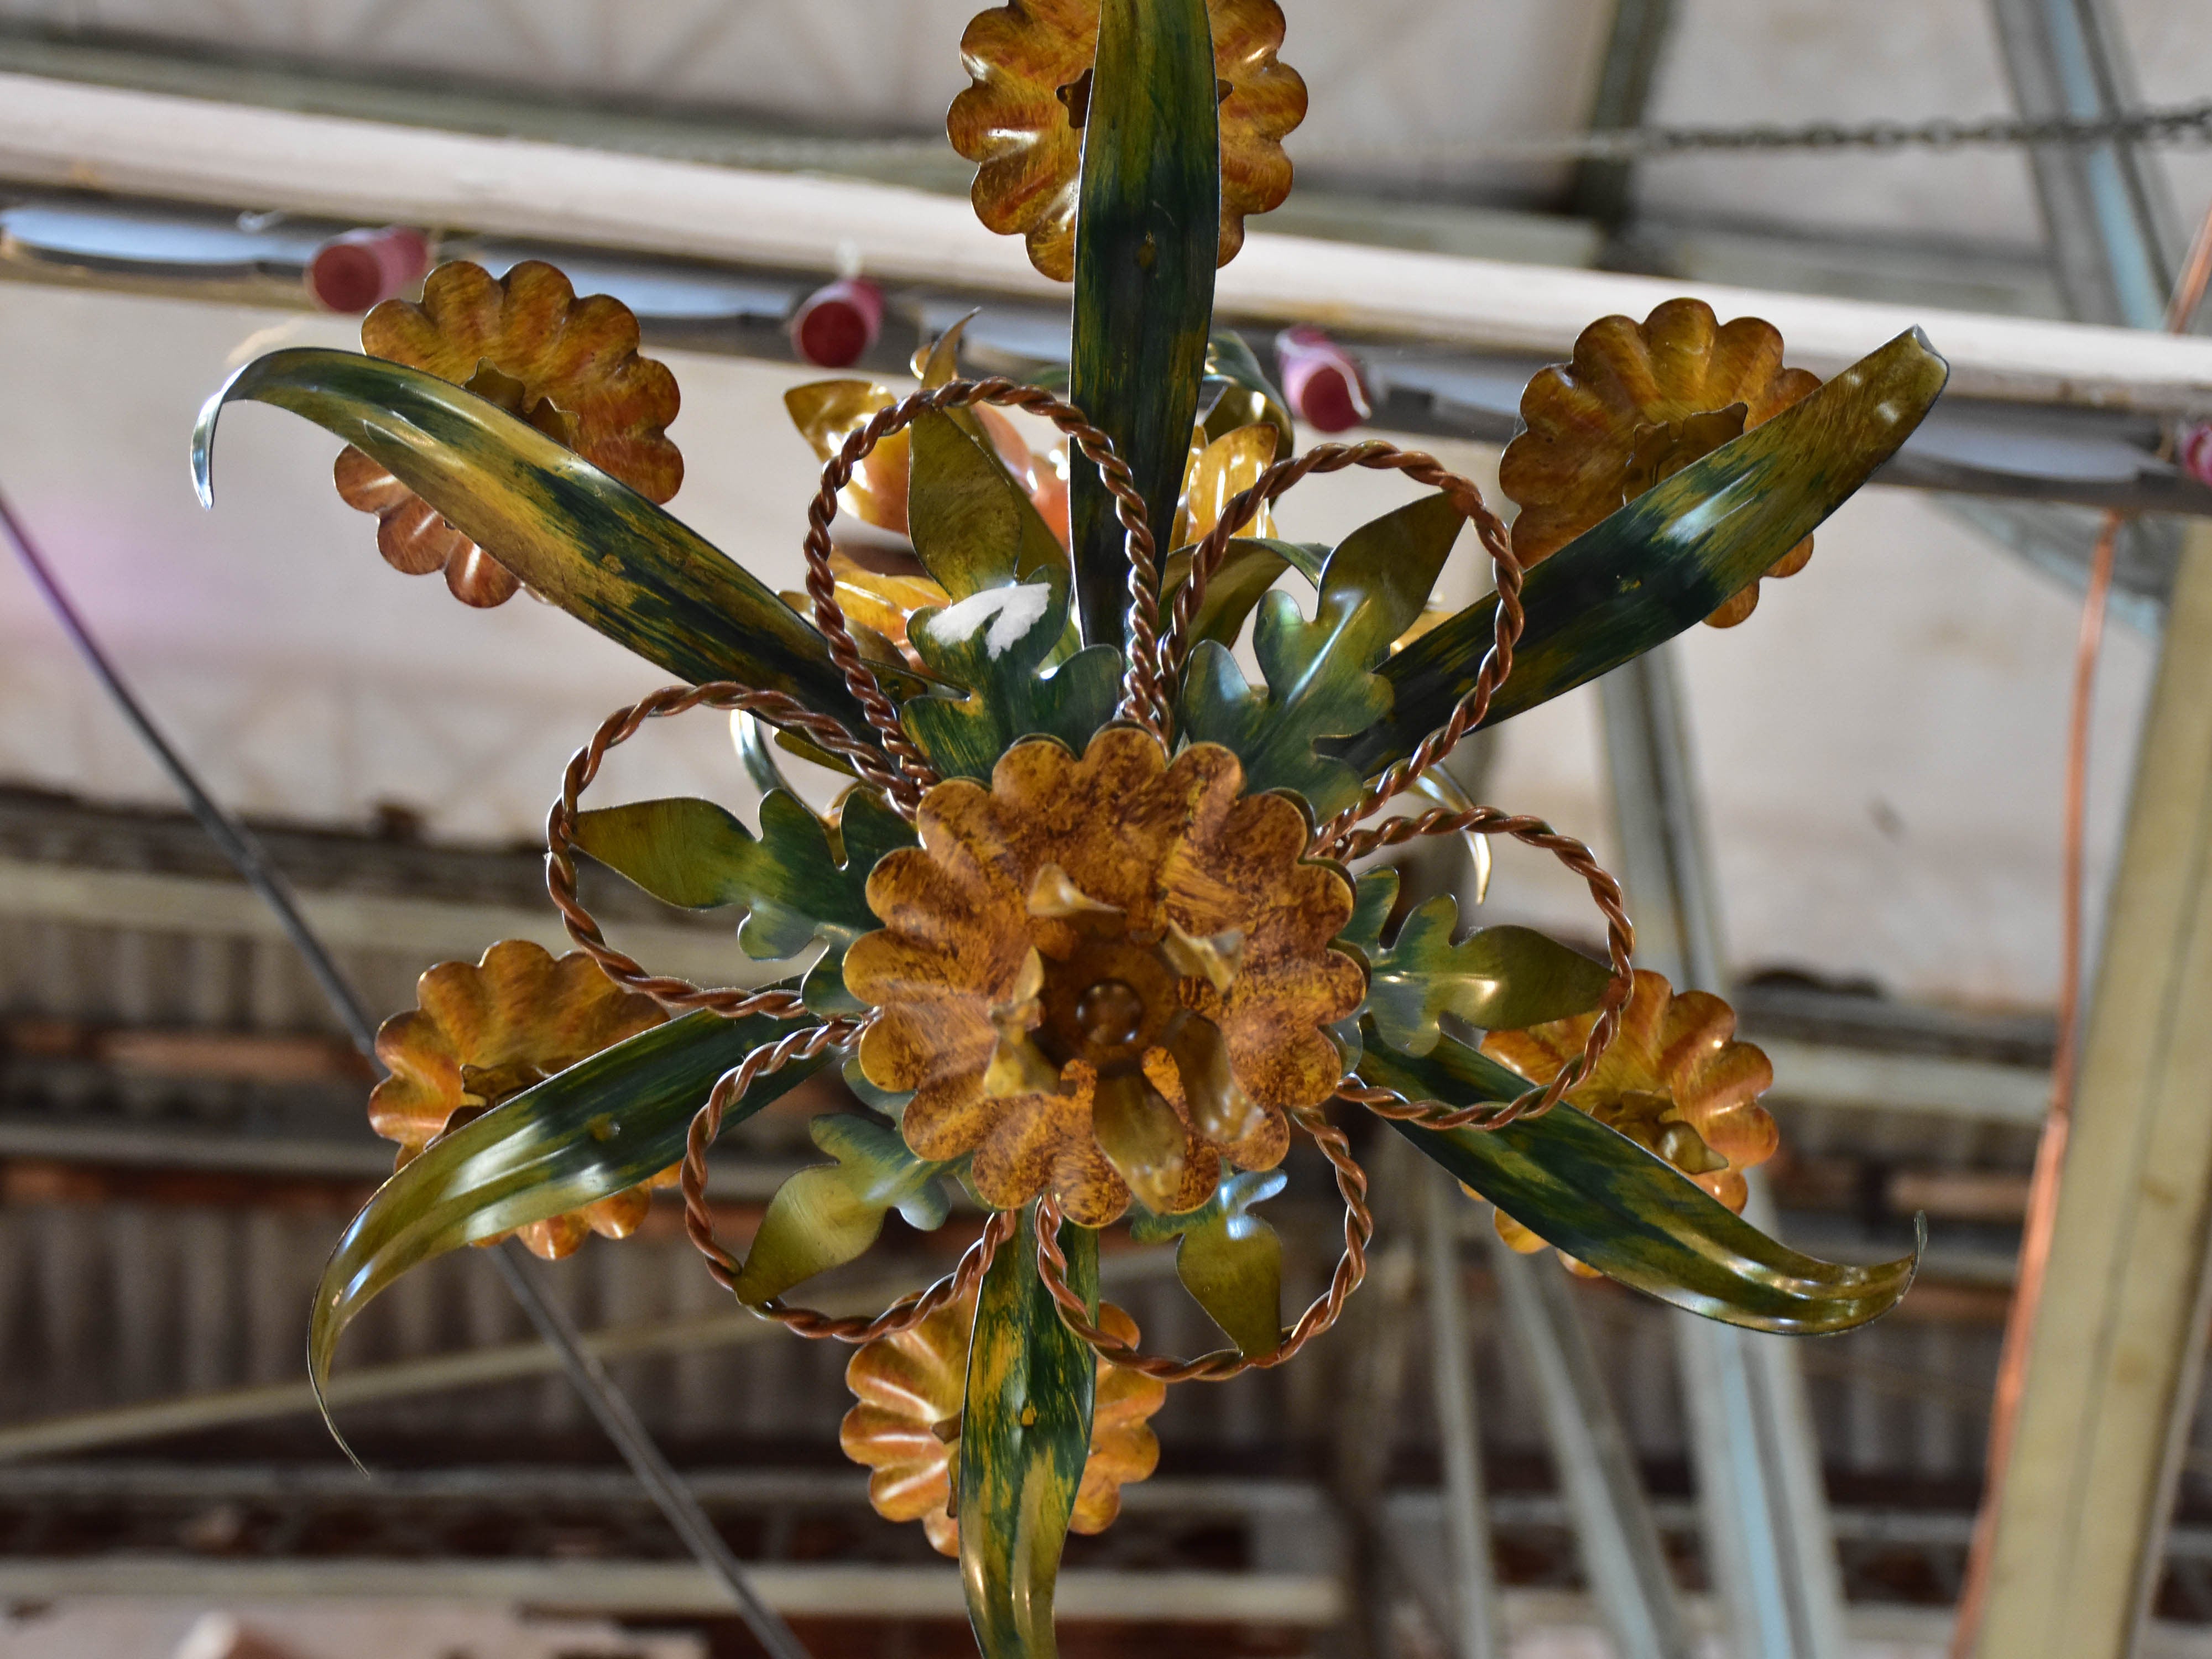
(1497, 663)
(619, 727)
(1620, 943)
(904, 1314)
(1142, 699)
(1226, 1362)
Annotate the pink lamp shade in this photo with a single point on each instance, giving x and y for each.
(1321, 379)
(836, 323)
(363, 269)
(2195, 453)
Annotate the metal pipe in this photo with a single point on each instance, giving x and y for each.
(1770, 1552)
(1614, 1519)
(1478, 1633)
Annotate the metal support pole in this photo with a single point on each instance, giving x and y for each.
(2115, 1358)
(1622, 1557)
(1626, 76)
(2112, 235)
(1766, 1531)
(1478, 1634)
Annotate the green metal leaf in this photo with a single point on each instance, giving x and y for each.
(1320, 675)
(1668, 559)
(826, 1216)
(1498, 978)
(1249, 566)
(973, 526)
(1243, 395)
(585, 1134)
(998, 642)
(1606, 1201)
(977, 533)
(592, 545)
(1148, 231)
(794, 884)
(1374, 896)
(1229, 1260)
(1025, 1437)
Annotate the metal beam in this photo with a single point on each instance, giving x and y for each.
(2105, 211)
(74, 137)
(430, 928)
(1633, 47)
(1097, 1596)
(402, 1379)
(1768, 1543)
(2117, 1351)
(1613, 1519)
(1477, 1632)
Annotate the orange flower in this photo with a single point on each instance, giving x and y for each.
(912, 1388)
(1674, 1081)
(524, 342)
(1021, 121)
(1640, 402)
(483, 1032)
(1105, 972)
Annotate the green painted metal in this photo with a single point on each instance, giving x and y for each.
(1500, 979)
(1668, 559)
(590, 545)
(795, 882)
(1248, 569)
(1321, 678)
(828, 1215)
(1025, 1437)
(588, 1133)
(1007, 636)
(1147, 234)
(1612, 1205)
(1229, 1259)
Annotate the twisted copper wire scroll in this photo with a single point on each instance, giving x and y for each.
(1226, 1362)
(1153, 665)
(732, 1003)
(1143, 698)
(699, 1220)
(1621, 944)
(1497, 663)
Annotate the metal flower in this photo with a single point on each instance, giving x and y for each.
(524, 342)
(1640, 402)
(483, 1031)
(1674, 1081)
(1105, 973)
(912, 1387)
(1021, 121)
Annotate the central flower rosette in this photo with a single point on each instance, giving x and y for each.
(1105, 975)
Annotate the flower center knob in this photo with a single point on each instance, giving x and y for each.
(1111, 1013)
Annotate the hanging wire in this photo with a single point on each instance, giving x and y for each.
(607, 1402)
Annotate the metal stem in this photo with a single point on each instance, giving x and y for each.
(608, 1403)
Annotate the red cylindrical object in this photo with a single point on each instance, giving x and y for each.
(360, 270)
(1322, 379)
(837, 323)
(2195, 453)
